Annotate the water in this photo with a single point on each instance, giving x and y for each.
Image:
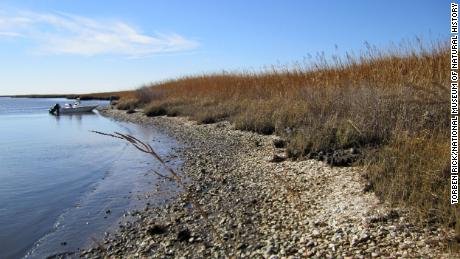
(62, 186)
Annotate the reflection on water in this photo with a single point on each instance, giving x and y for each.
(73, 117)
(58, 180)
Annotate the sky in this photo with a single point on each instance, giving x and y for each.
(85, 46)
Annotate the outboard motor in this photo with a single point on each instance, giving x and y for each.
(55, 109)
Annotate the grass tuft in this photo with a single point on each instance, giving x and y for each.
(153, 110)
(128, 104)
(414, 170)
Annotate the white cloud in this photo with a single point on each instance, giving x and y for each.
(70, 34)
(9, 34)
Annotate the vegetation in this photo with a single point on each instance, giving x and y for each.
(127, 104)
(392, 103)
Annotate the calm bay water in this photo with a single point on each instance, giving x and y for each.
(61, 185)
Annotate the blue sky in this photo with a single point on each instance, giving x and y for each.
(64, 46)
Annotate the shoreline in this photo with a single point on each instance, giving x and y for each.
(258, 208)
(65, 96)
(84, 97)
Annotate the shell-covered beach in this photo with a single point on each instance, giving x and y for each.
(253, 206)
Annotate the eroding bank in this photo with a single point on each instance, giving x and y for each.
(254, 207)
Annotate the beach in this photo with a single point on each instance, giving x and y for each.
(243, 199)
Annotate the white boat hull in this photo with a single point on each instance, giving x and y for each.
(80, 109)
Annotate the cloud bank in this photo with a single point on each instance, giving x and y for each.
(62, 33)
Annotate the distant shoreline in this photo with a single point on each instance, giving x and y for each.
(92, 96)
(82, 97)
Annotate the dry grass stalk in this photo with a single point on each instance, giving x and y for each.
(147, 148)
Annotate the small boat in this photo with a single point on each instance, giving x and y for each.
(71, 108)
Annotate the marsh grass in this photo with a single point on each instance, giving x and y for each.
(127, 104)
(393, 103)
(415, 170)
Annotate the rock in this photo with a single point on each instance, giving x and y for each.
(315, 233)
(242, 246)
(363, 238)
(184, 235)
(272, 250)
(404, 246)
(157, 230)
(279, 142)
(332, 247)
(277, 159)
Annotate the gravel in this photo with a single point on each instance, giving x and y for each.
(254, 206)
